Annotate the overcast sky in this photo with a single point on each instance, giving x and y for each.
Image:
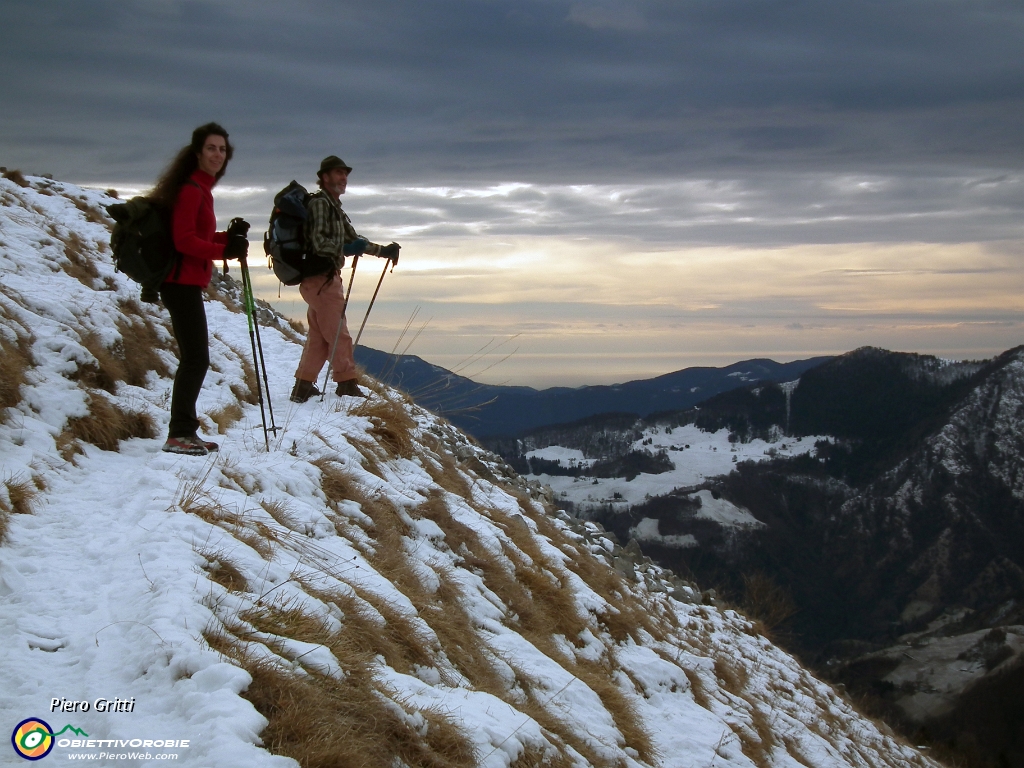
(631, 186)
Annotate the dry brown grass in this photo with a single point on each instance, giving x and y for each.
(249, 483)
(226, 416)
(92, 214)
(221, 570)
(536, 707)
(140, 344)
(760, 752)
(627, 613)
(371, 628)
(732, 674)
(336, 482)
(107, 424)
(281, 513)
(67, 445)
(624, 712)
(250, 392)
(323, 722)
(544, 607)
(15, 361)
(795, 752)
(21, 495)
(106, 371)
(129, 360)
(79, 264)
(16, 176)
(700, 694)
(391, 424)
(446, 473)
(192, 498)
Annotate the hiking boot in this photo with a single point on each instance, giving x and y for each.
(303, 390)
(189, 446)
(211, 447)
(350, 388)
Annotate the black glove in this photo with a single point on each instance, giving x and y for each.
(391, 252)
(236, 248)
(357, 247)
(238, 226)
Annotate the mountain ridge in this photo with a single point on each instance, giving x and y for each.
(492, 412)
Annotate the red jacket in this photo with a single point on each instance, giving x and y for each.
(194, 225)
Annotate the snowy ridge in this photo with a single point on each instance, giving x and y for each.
(374, 582)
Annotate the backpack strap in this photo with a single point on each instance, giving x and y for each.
(178, 260)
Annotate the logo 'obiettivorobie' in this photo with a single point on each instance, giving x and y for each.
(32, 738)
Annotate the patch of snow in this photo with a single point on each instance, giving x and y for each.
(725, 513)
(647, 531)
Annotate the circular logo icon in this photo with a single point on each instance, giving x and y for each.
(32, 738)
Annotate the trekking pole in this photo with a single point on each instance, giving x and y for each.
(263, 363)
(341, 321)
(367, 315)
(257, 352)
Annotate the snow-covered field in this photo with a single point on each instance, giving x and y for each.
(697, 455)
(373, 554)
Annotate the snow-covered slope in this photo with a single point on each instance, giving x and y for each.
(373, 588)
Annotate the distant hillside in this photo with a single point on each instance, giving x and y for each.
(488, 411)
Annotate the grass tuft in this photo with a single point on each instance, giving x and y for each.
(222, 571)
(92, 214)
(129, 360)
(18, 500)
(337, 483)
(279, 510)
(107, 424)
(79, 264)
(16, 176)
(226, 416)
(15, 361)
(390, 423)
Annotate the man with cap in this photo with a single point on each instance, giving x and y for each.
(330, 235)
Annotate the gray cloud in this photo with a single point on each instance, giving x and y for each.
(757, 209)
(541, 90)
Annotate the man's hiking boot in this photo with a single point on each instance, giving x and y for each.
(350, 388)
(189, 446)
(303, 390)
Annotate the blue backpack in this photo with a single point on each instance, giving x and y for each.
(285, 242)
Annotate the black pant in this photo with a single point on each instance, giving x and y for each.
(188, 319)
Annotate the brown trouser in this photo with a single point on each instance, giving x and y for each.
(326, 301)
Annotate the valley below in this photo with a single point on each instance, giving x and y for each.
(869, 515)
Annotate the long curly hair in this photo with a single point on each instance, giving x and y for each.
(165, 193)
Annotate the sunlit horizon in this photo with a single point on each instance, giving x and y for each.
(572, 285)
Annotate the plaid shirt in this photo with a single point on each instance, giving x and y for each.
(328, 228)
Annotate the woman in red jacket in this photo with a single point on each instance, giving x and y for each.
(185, 189)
